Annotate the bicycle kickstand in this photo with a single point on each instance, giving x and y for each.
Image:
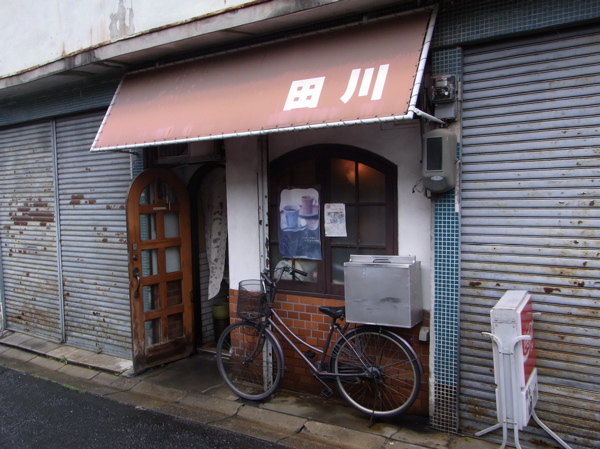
(327, 392)
(372, 419)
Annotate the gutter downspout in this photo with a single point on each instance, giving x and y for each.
(59, 261)
(421, 71)
(263, 201)
(2, 299)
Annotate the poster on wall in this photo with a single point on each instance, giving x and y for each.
(335, 220)
(299, 226)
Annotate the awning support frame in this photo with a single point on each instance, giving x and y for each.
(412, 110)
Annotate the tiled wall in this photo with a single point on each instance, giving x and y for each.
(461, 21)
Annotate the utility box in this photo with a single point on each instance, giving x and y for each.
(383, 290)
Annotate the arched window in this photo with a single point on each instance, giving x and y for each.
(364, 183)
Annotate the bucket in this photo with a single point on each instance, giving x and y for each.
(220, 314)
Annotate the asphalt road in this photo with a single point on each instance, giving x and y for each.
(36, 413)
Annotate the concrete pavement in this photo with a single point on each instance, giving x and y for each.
(192, 389)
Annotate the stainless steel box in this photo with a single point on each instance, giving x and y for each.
(383, 290)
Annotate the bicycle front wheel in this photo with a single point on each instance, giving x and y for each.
(388, 372)
(249, 360)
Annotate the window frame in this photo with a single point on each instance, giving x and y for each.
(323, 154)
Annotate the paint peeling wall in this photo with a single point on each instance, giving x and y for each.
(58, 28)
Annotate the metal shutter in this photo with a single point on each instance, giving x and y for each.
(28, 232)
(69, 99)
(92, 193)
(530, 213)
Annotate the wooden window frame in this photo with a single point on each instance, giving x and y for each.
(322, 154)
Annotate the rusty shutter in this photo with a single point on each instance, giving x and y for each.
(92, 193)
(28, 232)
(530, 213)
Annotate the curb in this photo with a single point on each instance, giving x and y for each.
(286, 420)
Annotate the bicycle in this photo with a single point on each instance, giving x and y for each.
(376, 371)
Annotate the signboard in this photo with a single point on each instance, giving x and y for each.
(514, 357)
(514, 366)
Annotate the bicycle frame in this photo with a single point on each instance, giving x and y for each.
(318, 369)
(375, 370)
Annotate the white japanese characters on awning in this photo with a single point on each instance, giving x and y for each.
(358, 74)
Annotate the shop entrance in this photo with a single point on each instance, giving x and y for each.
(210, 264)
(159, 239)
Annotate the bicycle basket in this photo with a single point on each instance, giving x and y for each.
(251, 300)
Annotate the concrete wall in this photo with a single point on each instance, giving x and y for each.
(42, 31)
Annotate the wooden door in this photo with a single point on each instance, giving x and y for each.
(160, 268)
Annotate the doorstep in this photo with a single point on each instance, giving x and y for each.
(67, 354)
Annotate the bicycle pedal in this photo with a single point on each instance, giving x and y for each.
(310, 354)
(327, 393)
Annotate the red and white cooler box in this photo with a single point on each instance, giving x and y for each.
(515, 373)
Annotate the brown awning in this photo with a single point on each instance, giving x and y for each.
(358, 74)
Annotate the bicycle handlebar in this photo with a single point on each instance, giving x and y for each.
(300, 272)
(286, 269)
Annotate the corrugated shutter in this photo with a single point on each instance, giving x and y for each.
(28, 231)
(70, 99)
(530, 212)
(92, 190)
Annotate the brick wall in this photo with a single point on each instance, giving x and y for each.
(301, 314)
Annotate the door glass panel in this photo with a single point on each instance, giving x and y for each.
(149, 262)
(151, 296)
(152, 331)
(371, 185)
(158, 193)
(147, 196)
(147, 226)
(165, 194)
(371, 222)
(174, 293)
(175, 326)
(171, 225)
(173, 259)
(343, 180)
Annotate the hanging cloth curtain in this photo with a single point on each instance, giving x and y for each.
(214, 205)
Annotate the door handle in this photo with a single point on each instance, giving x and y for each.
(136, 274)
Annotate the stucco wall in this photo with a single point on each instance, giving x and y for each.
(401, 144)
(242, 209)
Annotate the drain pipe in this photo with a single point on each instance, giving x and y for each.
(59, 261)
(421, 71)
(2, 299)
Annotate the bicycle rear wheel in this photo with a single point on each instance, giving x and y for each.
(388, 372)
(249, 361)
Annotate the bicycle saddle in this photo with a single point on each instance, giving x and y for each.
(333, 312)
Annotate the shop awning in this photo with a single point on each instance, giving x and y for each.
(357, 74)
